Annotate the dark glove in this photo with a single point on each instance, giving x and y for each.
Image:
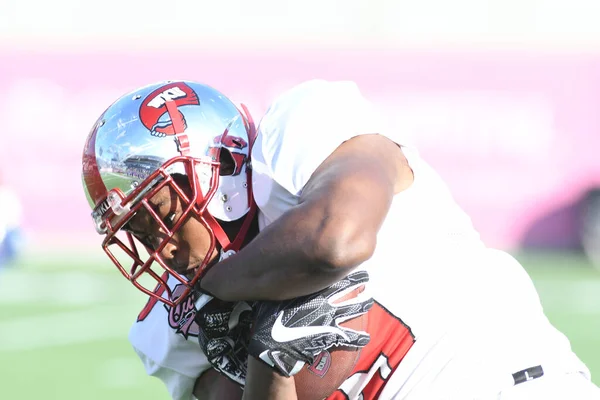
(224, 335)
(287, 335)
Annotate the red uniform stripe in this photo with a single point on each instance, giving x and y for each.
(391, 339)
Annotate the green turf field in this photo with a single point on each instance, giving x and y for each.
(63, 326)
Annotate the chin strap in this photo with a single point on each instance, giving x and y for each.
(221, 236)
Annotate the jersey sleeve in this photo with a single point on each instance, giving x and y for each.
(179, 386)
(168, 350)
(306, 124)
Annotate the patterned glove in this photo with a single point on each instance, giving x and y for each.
(286, 335)
(224, 335)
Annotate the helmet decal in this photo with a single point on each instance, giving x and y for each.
(153, 111)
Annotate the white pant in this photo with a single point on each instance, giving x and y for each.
(572, 386)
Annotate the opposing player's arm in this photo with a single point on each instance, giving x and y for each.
(331, 231)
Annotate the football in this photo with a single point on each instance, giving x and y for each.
(332, 367)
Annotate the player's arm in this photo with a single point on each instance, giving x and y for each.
(263, 383)
(213, 386)
(332, 230)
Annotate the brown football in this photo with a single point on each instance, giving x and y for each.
(333, 366)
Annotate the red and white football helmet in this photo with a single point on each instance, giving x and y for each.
(131, 153)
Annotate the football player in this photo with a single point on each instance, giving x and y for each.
(338, 195)
(10, 224)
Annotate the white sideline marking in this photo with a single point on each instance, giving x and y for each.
(58, 329)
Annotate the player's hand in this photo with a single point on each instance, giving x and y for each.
(287, 335)
(224, 335)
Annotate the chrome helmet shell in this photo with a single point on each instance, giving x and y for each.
(133, 150)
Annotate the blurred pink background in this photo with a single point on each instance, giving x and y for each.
(515, 134)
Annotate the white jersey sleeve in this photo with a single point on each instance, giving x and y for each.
(166, 340)
(179, 386)
(305, 125)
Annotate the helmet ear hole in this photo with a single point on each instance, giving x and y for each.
(227, 163)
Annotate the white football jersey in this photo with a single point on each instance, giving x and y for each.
(166, 340)
(445, 304)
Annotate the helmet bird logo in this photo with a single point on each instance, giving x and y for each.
(153, 111)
